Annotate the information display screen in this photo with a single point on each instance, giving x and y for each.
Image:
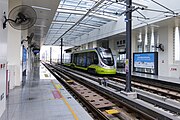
(145, 60)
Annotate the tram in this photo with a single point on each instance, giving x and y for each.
(97, 61)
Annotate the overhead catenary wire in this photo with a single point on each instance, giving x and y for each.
(75, 26)
(143, 16)
(105, 4)
(155, 10)
(68, 16)
(164, 6)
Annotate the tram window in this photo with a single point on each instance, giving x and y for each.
(89, 58)
(92, 58)
(106, 56)
(95, 58)
(83, 60)
(72, 58)
(75, 58)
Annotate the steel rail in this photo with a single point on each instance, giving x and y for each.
(151, 111)
(156, 100)
(172, 92)
(96, 112)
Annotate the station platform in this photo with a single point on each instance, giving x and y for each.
(164, 80)
(43, 98)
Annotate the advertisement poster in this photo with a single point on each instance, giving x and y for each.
(144, 60)
(127, 65)
(24, 58)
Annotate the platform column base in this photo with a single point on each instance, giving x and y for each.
(130, 94)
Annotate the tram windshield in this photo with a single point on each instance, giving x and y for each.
(106, 56)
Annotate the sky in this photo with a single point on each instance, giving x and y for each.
(56, 53)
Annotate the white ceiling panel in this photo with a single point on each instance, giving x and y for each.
(45, 10)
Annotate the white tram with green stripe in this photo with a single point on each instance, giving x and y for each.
(98, 61)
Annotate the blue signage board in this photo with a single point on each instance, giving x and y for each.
(24, 58)
(144, 60)
(24, 54)
(36, 51)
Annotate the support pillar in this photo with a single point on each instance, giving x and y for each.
(50, 55)
(61, 51)
(177, 44)
(128, 45)
(152, 46)
(146, 39)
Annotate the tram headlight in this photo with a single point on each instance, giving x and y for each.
(101, 63)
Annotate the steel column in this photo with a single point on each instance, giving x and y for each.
(50, 54)
(61, 49)
(128, 44)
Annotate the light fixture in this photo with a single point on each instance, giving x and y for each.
(43, 8)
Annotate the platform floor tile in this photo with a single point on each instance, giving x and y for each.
(35, 100)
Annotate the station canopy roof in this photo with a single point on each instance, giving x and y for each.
(82, 16)
(75, 18)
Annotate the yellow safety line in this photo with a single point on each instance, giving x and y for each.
(59, 86)
(65, 101)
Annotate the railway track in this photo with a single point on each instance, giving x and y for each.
(99, 104)
(161, 91)
(149, 81)
(165, 108)
(157, 97)
(157, 90)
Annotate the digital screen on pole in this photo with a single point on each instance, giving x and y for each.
(36, 51)
(144, 60)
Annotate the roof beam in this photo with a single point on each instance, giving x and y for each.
(72, 23)
(83, 12)
(103, 16)
(74, 30)
(71, 11)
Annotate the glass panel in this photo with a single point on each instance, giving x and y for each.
(121, 61)
(91, 22)
(106, 56)
(56, 25)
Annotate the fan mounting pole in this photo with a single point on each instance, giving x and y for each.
(4, 23)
